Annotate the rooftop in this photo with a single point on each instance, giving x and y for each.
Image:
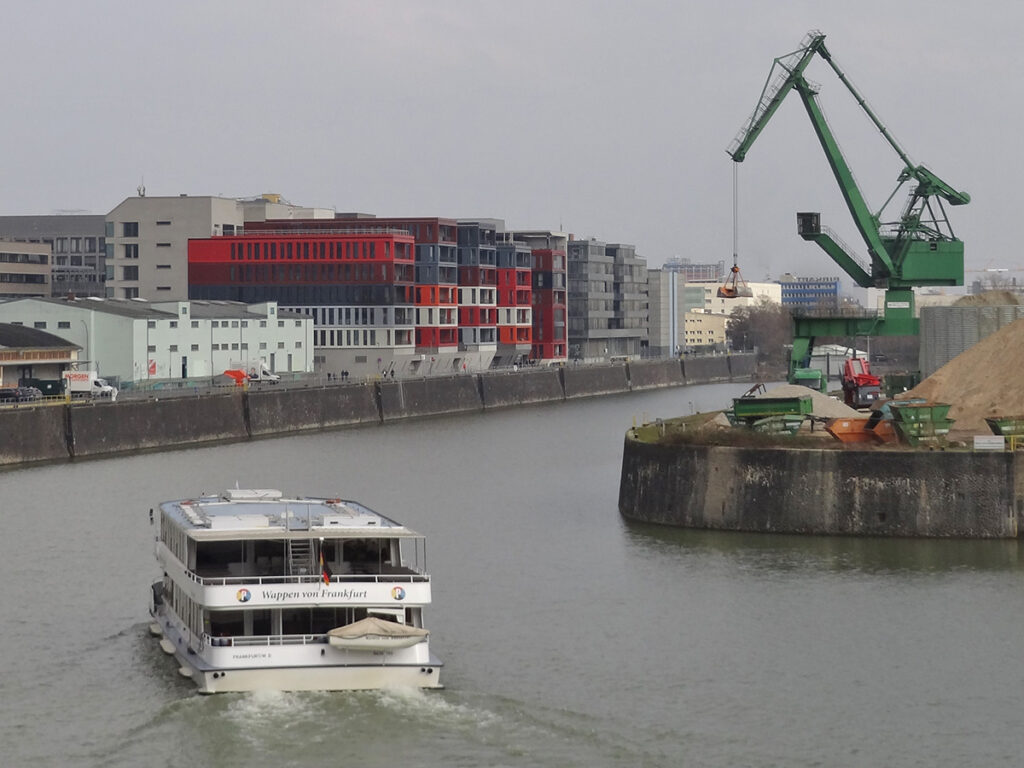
(20, 337)
(266, 513)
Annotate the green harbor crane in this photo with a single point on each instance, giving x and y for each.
(918, 248)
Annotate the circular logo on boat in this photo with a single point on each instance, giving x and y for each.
(244, 595)
(398, 593)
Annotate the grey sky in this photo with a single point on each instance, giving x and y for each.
(605, 119)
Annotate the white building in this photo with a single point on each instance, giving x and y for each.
(673, 302)
(770, 292)
(135, 340)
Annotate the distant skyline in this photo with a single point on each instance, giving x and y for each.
(603, 119)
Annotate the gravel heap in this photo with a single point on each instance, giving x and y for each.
(984, 380)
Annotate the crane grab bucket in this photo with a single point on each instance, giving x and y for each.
(735, 286)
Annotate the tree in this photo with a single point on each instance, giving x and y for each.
(765, 327)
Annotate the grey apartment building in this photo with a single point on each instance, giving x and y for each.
(607, 300)
(77, 249)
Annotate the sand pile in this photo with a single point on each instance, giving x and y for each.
(988, 299)
(985, 380)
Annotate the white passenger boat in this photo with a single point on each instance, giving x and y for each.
(262, 592)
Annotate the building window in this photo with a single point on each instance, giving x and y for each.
(130, 273)
(39, 324)
(174, 347)
(263, 323)
(131, 251)
(195, 323)
(163, 266)
(195, 347)
(298, 345)
(280, 345)
(234, 323)
(151, 348)
(163, 287)
(64, 324)
(163, 223)
(234, 346)
(131, 293)
(163, 245)
(130, 229)
(174, 323)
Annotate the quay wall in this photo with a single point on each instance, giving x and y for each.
(416, 398)
(98, 429)
(274, 411)
(655, 374)
(502, 390)
(34, 433)
(594, 380)
(706, 369)
(742, 366)
(815, 491)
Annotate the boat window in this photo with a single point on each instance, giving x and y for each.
(226, 623)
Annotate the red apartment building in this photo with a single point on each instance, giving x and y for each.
(358, 285)
(436, 279)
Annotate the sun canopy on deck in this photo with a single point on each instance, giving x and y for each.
(372, 626)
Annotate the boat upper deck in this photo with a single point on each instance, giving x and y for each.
(265, 513)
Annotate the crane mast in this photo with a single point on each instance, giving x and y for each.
(917, 248)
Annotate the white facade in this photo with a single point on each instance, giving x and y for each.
(131, 340)
(770, 292)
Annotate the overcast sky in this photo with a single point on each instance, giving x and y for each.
(604, 119)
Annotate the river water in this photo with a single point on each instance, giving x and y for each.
(570, 637)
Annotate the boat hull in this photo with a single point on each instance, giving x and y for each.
(307, 668)
(346, 678)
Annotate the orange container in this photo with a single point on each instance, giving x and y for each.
(850, 430)
(884, 432)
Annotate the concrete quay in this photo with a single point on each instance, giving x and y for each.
(46, 433)
(912, 493)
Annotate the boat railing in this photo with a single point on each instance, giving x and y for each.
(375, 578)
(264, 640)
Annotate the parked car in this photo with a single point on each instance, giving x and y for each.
(19, 394)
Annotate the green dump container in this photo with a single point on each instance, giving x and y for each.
(752, 408)
(923, 412)
(895, 383)
(1006, 425)
(923, 432)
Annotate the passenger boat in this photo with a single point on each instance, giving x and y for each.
(264, 592)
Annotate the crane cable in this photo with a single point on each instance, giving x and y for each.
(735, 214)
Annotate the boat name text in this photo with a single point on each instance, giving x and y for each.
(281, 596)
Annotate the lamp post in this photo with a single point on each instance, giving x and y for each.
(88, 350)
